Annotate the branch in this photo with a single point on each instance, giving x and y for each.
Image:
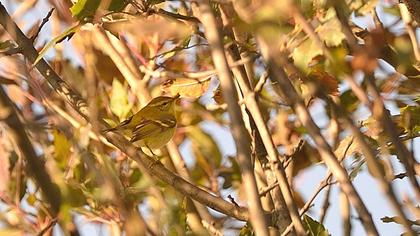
(413, 7)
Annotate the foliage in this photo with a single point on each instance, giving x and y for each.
(360, 83)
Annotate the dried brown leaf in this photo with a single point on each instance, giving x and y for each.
(187, 87)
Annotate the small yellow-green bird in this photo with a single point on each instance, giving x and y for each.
(153, 126)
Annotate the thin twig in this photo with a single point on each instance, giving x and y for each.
(325, 205)
(47, 227)
(44, 21)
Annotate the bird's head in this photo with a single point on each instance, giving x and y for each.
(164, 103)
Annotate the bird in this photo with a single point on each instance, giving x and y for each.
(153, 126)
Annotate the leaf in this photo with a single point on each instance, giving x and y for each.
(119, 104)
(141, 27)
(330, 32)
(7, 45)
(67, 34)
(207, 146)
(313, 227)
(362, 7)
(346, 147)
(349, 100)
(305, 157)
(31, 199)
(246, 230)
(187, 87)
(327, 82)
(84, 8)
(218, 96)
(304, 53)
(411, 118)
(62, 149)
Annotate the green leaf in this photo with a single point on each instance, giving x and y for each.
(246, 230)
(119, 104)
(67, 34)
(118, 5)
(7, 45)
(313, 227)
(206, 144)
(84, 8)
(62, 149)
(349, 101)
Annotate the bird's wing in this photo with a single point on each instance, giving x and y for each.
(148, 127)
(120, 125)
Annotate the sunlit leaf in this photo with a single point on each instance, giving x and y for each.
(313, 227)
(330, 32)
(142, 27)
(7, 45)
(362, 7)
(246, 230)
(84, 8)
(305, 52)
(187, 87)
(119, 100)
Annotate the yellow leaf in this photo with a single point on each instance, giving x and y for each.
(62, 149)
